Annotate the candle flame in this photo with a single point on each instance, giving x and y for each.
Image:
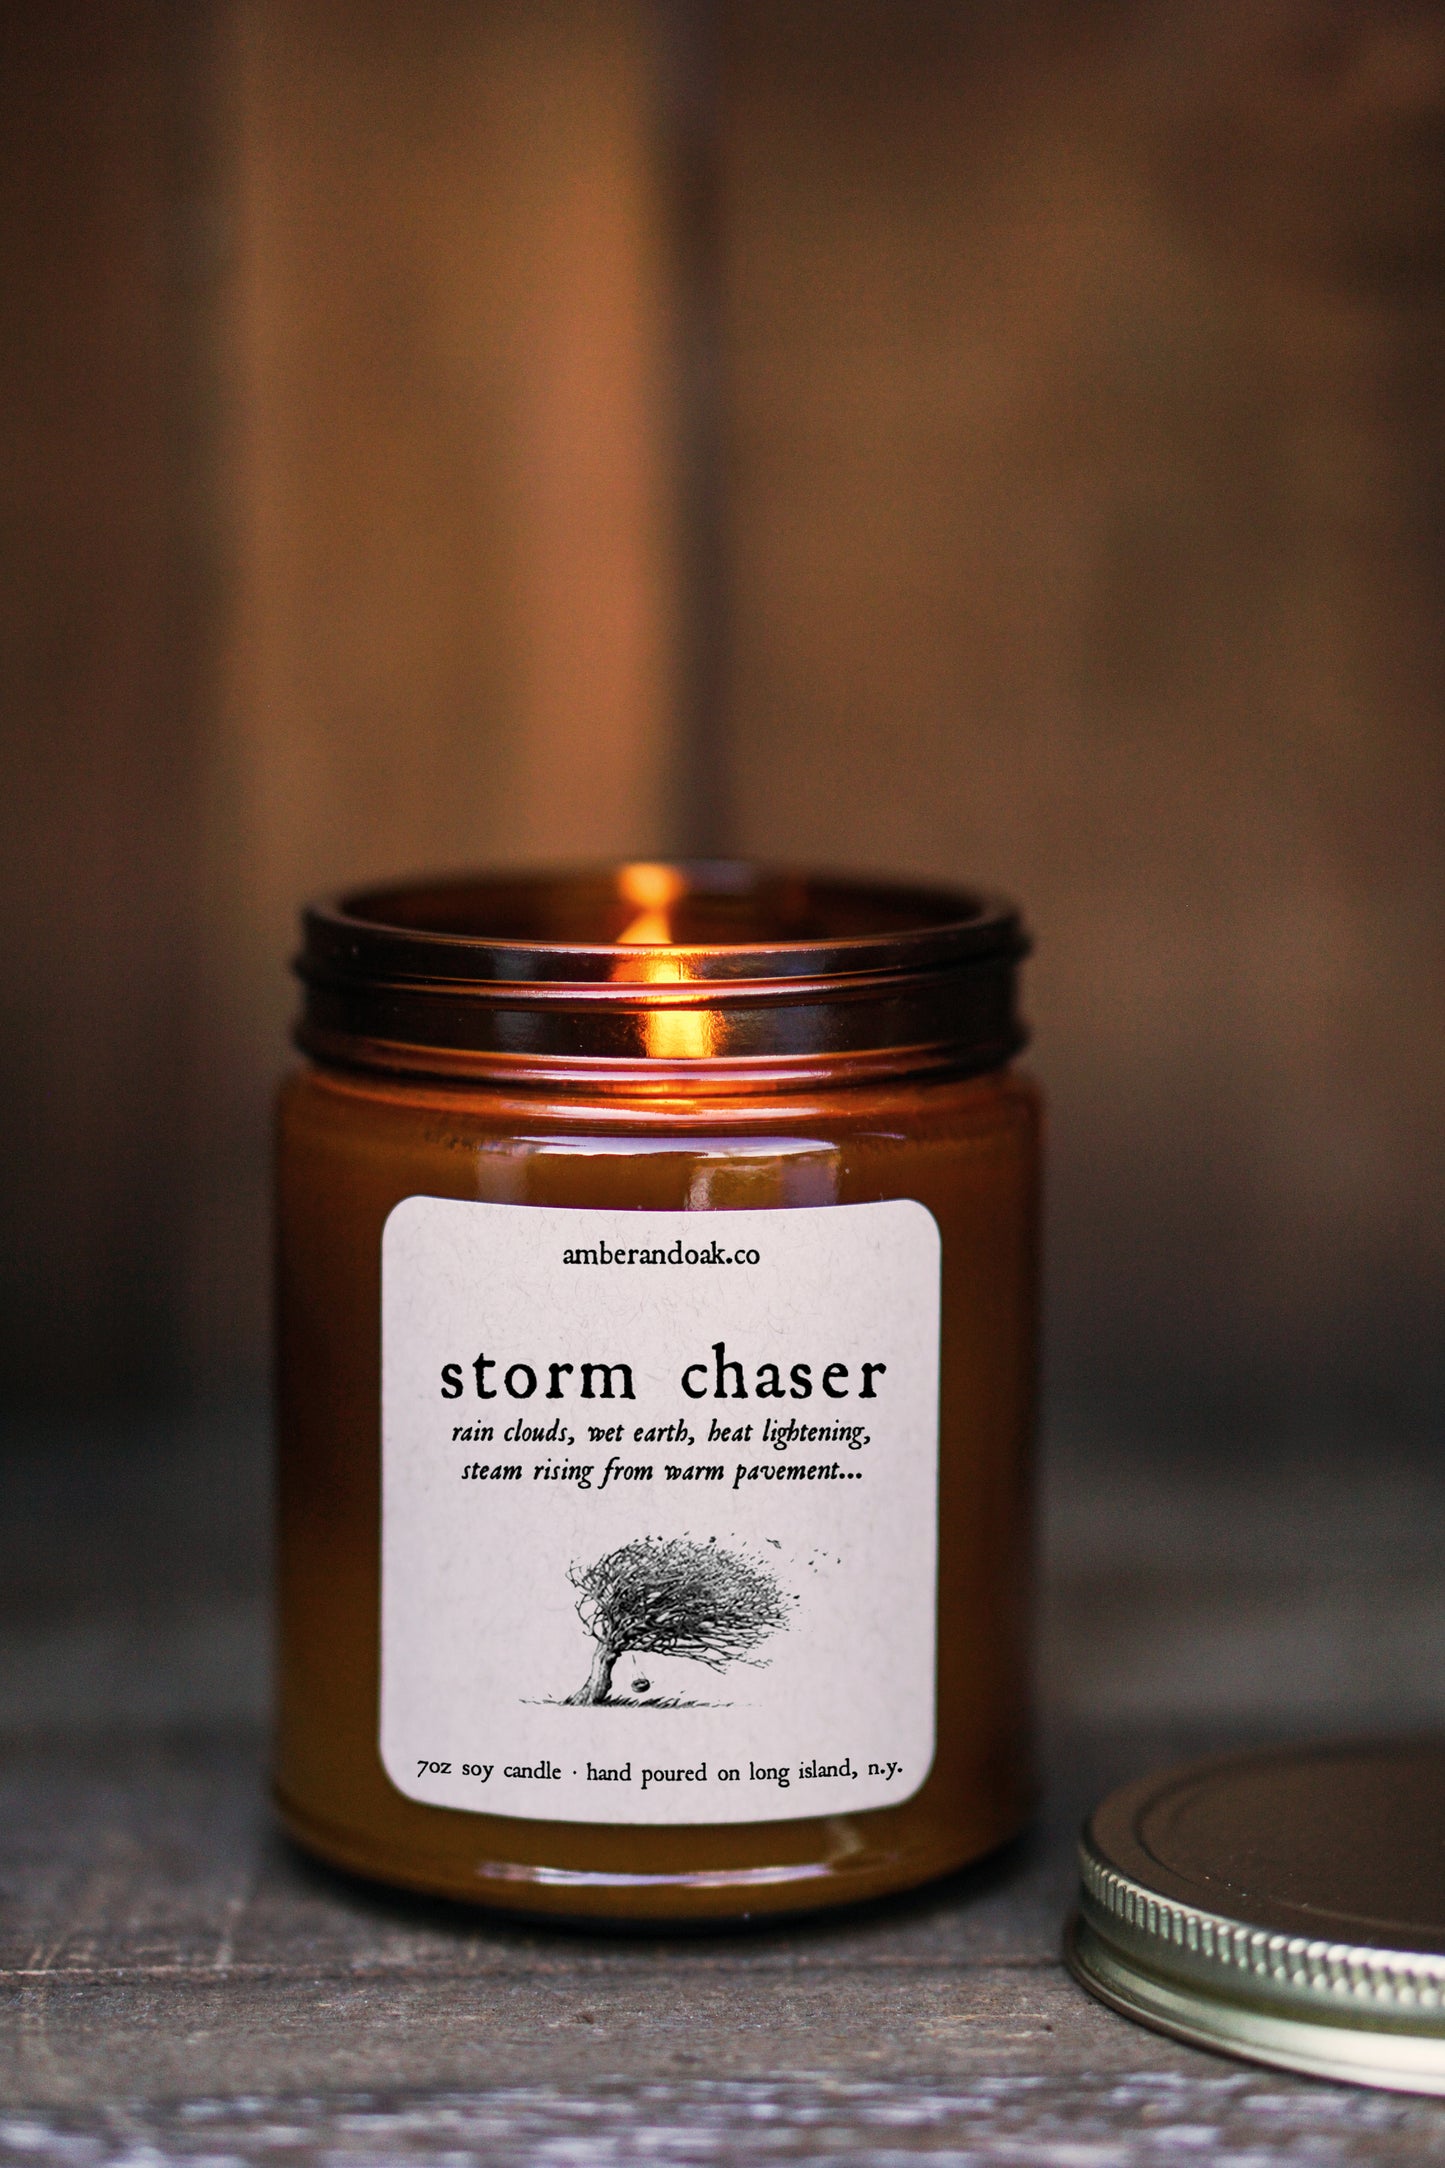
(652, 890)
(649, 928)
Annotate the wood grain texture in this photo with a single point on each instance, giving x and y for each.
(1078, 374)
(163, 1940)
(1086, 442)
(449, 325)
(338, 543)
(1130, 2119)
(105, 632)
(451, 641)
(176, 1983)
(167, 1949)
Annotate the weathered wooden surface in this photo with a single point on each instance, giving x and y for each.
(178, 1984)
(162, 1943)
(1103, 2121)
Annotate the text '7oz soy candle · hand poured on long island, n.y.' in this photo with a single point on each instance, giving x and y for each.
(657, 1265)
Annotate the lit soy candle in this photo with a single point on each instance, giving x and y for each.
(656, 1354)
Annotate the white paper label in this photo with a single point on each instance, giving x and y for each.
(659, 1509)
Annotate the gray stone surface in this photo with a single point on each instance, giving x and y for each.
(179, 1984)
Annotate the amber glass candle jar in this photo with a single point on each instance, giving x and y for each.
(656, 1360)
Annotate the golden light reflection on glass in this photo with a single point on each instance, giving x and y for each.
(652, 890)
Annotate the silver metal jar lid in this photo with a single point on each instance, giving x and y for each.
(1285, 1905)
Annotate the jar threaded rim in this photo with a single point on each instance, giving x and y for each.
(676, 968)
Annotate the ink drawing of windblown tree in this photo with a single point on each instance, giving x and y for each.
(673, 1598)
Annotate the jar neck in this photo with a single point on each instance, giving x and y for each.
(842, 982)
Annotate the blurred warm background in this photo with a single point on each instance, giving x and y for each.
(991, 438)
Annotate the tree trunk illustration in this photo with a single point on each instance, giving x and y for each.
(672, 1597)
(599, 1685)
